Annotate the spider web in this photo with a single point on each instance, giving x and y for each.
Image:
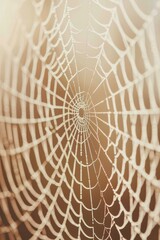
(80, 120)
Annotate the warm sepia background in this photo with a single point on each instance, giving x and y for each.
(80, 119)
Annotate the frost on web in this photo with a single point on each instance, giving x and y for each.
(80, 120)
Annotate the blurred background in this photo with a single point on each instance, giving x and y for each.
(80, 119)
